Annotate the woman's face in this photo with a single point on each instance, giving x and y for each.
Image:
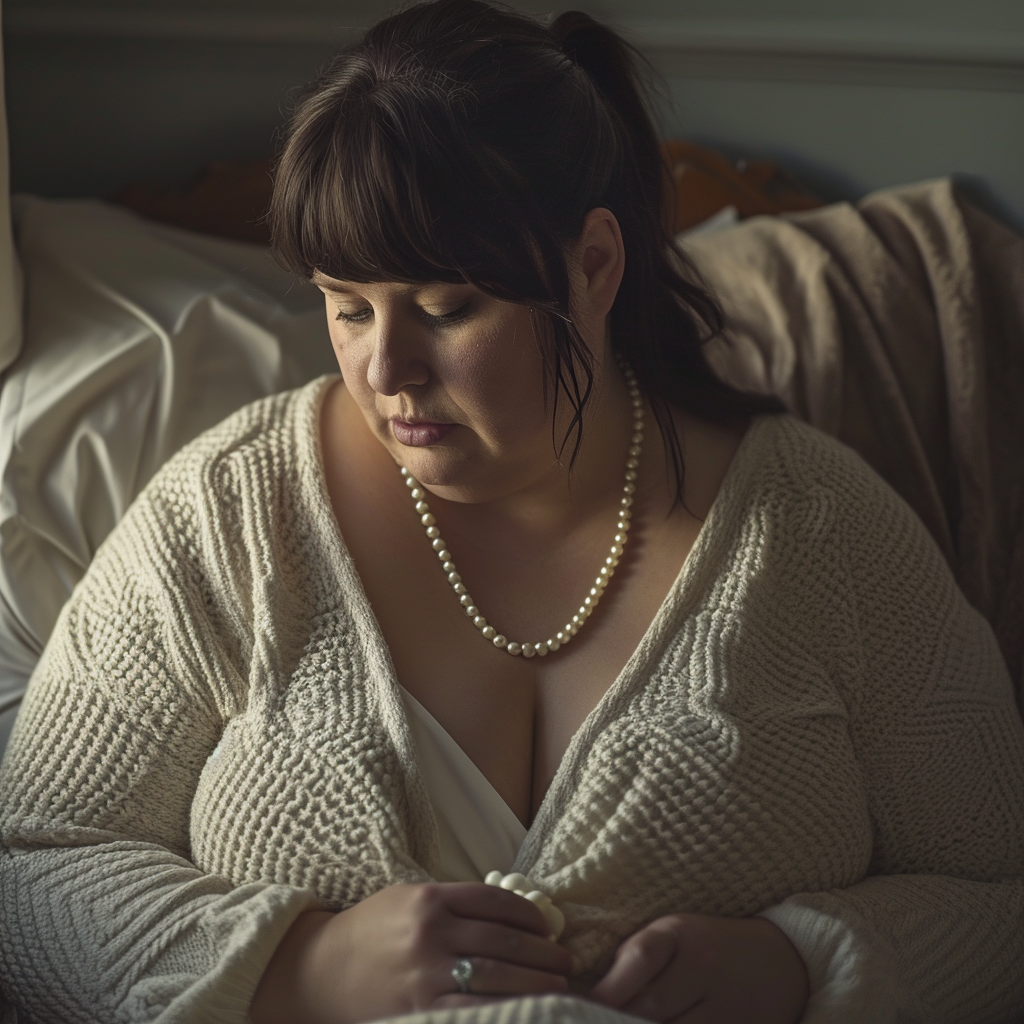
(449, 380)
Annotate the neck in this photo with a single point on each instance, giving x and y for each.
(555, 503)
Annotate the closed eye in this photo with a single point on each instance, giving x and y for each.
(447, 319)
(358, 317)
(432, 319)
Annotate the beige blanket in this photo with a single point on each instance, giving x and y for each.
(897, 325)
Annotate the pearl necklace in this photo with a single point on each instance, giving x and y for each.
(572, 627)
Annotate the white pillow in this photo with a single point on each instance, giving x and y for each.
(137, 337)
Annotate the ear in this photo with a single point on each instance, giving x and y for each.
(599, 261)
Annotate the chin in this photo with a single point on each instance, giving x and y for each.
(453, 477)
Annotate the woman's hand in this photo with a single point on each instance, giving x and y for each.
(394, 952)
(697, 969)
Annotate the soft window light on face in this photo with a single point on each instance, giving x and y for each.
(449, 379)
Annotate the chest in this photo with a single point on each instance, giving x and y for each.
(514, 717)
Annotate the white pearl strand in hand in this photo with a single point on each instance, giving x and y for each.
(522, 886)
(571, 628)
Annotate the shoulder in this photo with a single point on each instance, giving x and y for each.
(846, 562)
(280, 431)
(794, 471)
(220, 498)
(263, 452)
(825, 531)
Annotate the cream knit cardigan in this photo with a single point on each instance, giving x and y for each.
(815, 726)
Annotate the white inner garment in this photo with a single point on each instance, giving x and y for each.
(478, 832)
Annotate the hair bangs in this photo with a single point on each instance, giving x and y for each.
(382, 198)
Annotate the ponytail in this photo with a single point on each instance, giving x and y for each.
(464, 141)
(621, 75)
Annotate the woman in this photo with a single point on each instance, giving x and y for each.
(768, 771)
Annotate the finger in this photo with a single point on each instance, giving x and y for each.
(482, 902)
(499, 978)
(511, 945)
(671, 997)
(638, 961)
(703, 1012)
(456, 1000)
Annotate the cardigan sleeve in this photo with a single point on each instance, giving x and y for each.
(935, 933)
(103, 917)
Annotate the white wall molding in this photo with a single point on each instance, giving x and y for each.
(845, 52)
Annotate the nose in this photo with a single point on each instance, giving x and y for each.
(397, 360)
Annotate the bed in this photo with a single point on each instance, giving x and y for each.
(895, 323)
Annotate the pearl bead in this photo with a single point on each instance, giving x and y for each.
(515, 880)
(564, 635)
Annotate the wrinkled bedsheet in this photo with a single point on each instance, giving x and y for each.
(137, 337)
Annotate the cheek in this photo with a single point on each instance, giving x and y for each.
(350, 364)
(499, 381)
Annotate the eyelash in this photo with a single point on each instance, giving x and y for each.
(444, 320)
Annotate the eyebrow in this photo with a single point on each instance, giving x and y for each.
(325, 282)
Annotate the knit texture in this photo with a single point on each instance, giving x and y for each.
(815, 726)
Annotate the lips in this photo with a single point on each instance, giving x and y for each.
(420, 434)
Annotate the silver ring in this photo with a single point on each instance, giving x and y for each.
(462, 972)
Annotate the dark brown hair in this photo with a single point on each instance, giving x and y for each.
(463, 141)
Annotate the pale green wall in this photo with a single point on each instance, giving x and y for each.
(88, 114)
